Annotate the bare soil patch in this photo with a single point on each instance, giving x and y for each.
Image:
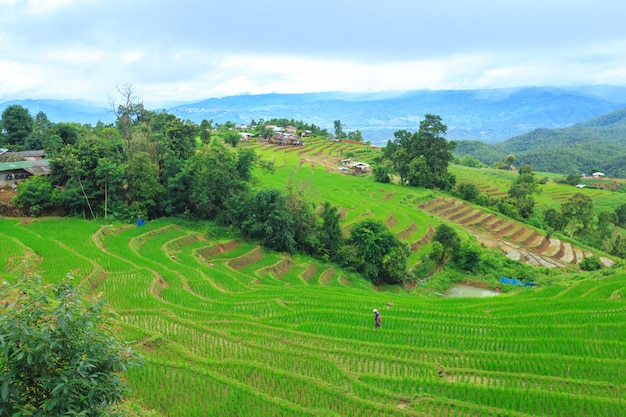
(219, 248)
(408, 231)
(325, 278)
(247, 259)
(310, 271)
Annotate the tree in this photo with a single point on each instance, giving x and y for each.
(382, 173)
(59, 356)
(271, 222)
(381, 256)
(591, 263)
(606, 223)
(42, 130)
(329, 235)
(143, 190)
(449, 240)
(231, 137)
(578, 210)
(205, 131)
(467, 191)
(17, 125)
(338, 129)
(128, 115)
(521, 191)
(421, 159)
(35, 195)
(554, 219)
(620, 212)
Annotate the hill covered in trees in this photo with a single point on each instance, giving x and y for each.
(598, 144)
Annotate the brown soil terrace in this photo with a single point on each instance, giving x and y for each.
(515, 239)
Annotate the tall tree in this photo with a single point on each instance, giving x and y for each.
(449, 240)
(338, 129)
(42, 130)
(521, 191)
(578, 210)
(128, 115)
(329, 235)
(17, 125)
(421, 159)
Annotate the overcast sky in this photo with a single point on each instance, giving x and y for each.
(185, 51)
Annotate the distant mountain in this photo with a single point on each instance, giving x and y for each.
(485, 115)
(597, 144)
(76, 111)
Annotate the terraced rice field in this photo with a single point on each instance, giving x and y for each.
(517, 240)
(227, 329)
(495, 184)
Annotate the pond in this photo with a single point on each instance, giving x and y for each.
(464, 291)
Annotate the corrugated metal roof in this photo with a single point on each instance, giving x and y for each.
(10, 166)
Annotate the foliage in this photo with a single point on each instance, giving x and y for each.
(380, 255)
(449, 240)
(591, 263)
(36, 195)
(270, 221)
(467, 191)
(521, 192)
(59, 355)
(578, 211)
(17, 125)
(382, 173)
(421, 159)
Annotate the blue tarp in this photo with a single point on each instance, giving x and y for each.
(513, 281)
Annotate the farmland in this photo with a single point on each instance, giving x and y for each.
(227, 328)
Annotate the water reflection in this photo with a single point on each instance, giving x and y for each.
(463, 291)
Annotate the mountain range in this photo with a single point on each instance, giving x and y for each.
(598, 144)
(491, 115)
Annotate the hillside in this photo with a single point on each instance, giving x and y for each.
(486, 115)
(596, 144)
(227, 328)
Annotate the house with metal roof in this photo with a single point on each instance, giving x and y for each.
(11, 172)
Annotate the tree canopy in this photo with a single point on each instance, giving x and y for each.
(58, 353)
(421, 159)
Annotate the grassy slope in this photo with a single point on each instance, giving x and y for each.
(228, 329)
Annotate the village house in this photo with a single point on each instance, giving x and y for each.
(361, 168)
(246, 136)
(598, 175)
(286, 139)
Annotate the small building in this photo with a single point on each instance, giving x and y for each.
(12, 172)
(346, 162)
(598, 175)
(361, 168)
(291, 129)
(580, 185)
(245, 136)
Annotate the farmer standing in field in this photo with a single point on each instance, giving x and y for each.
(376, 319)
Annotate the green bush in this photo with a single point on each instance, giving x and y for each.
(58, 357)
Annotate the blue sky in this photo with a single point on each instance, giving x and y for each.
(185, 51)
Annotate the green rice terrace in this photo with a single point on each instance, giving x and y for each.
(229, 329)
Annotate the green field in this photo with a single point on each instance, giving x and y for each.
(228, 329)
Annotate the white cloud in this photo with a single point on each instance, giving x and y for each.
(74, 49)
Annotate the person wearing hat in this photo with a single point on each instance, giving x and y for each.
(376, 319)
